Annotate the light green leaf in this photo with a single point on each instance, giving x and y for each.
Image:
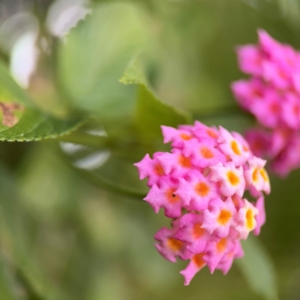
(258, 269)
(33, 124)
(150, 112)
(95, 55)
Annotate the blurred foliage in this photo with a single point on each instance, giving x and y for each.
(264, 281)
(72, 221)
(96, 54)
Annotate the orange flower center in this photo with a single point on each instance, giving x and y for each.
(184, 161)
(174, 244)
(172, 198)
(202, 189)
(198, 231)
(224, 217)
(185, 136)
(211, 133)
(158, 169)
(235, 147)
(206, 152)
(233, 178)
(221, 245)
(198, 260)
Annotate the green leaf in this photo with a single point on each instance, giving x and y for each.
(258, 269)
(96, 54)
(150, 112)
(33, 124)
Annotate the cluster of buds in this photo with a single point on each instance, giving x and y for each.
(272, 95)
(200, 185)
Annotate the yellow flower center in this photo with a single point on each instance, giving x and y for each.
(250, 219)
(264, 174)
(255, 175)
(233, 178)
(224, 216)
(235, 147)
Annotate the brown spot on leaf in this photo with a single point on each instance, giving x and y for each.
(8, 109)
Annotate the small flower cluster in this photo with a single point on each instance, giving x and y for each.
(272, 95)
(200, 185)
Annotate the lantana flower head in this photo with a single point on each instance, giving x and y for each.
(200, 185)
(272, 95)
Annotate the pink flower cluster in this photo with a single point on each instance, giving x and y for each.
(272, 95)
(200, 185)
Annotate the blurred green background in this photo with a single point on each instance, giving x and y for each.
(72, 221)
